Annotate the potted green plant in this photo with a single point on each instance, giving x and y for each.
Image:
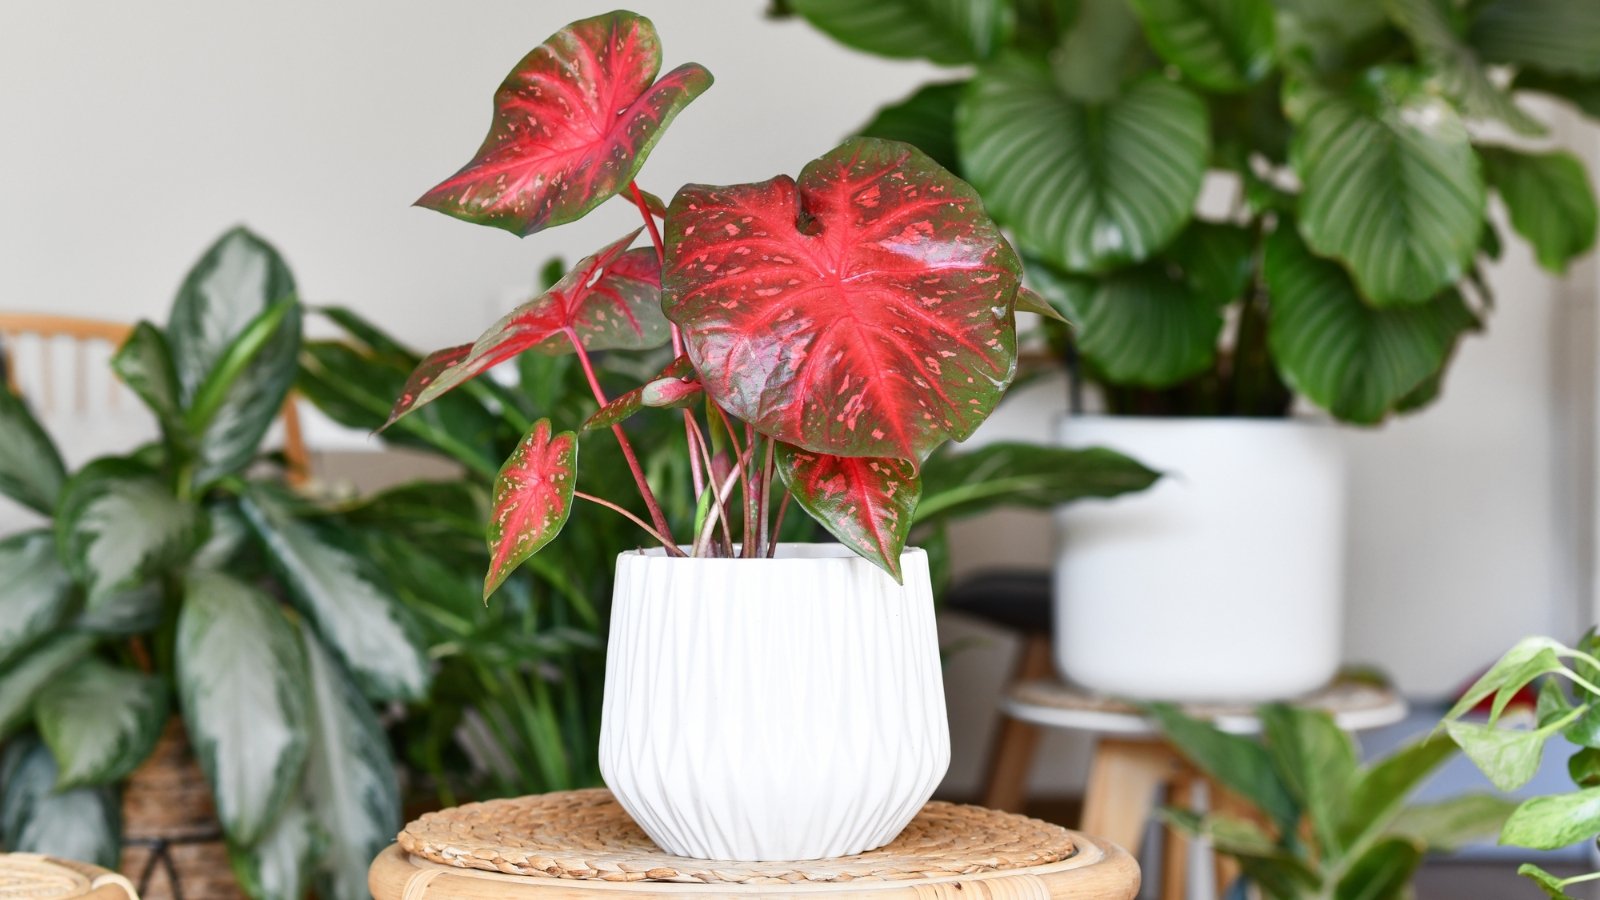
(1337, 267)
(828, 334)
(183, 580)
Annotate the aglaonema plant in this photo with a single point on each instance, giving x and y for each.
(829, 332)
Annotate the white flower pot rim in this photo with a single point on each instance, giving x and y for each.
(787, 553)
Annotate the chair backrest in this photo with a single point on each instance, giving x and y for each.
(61, 364)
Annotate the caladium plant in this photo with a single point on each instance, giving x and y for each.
(829, 331)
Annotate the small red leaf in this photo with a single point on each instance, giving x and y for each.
(863, 311)
(625, 405)
(866, 502)
(532, 498)
(573, 123)
(610, 301)
(671, 393)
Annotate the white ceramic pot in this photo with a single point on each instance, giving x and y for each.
(772, 709)
(1224, 581)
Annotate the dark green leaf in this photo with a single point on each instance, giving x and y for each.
(30, 468)
(83, 824)
(1584, 767)
(1456, 65)
(21, 682)
(945, 31)
(1216, 260)
(1326, 36)
(926, 120)
(37, 591)
(119, 525)
(1087, 186)
(100, 721)
(1509, 756)
(280, 864)
(239, 399)
(1561, 37)
(1316, 760)
(1141, 327)
(242, 681)
(1448, 825)
(1235, 762)
(1555, 821)
(1380, 790)
(1551, 201)
(1580, 92)
(1381, 873)
(144, 363)
(1221, 45)
(1101, 50)
(958, 484)
(124, 613)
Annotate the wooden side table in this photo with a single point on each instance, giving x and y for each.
(1133, 766)
(581, 845)
(30, 876)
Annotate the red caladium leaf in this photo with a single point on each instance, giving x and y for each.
(573, 123)
(532, 498)
(865, 501)
(610, 301)
(673, 386)
(864, 311)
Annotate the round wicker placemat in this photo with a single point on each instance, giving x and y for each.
(30, 876)
(586, 835)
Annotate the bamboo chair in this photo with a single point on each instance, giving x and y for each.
(83, 335)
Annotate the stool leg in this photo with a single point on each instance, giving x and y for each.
(1123, 783)
(1011, 756)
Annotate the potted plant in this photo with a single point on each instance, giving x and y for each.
(763, 700)
(185, 599)
(1337, 266)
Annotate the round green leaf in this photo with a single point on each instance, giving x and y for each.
(946, 31)
(1456, 65)
(1392, 187)
(100, 721)
(1551, 200)
(925, 120)
(1561, 37)
(1087, 186)
(1222, 45)
(1139, 326)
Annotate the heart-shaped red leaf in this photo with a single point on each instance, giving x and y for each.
(573, 123)
(864, 501)
(673, 386)
(532, 498)
(864, 311)
(610, 301)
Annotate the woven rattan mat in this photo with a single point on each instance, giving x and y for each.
(586, 835)
(28, 876)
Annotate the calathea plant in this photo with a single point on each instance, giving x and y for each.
(181, 579)
(1349, 262)
(828, 332)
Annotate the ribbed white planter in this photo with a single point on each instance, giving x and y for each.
(1223, 582)
(772, 709)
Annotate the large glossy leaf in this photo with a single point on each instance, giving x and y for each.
(280, 864)
(241, 678)
(1087, 186)
(864, 310)
(341, 590)
(1455, 64)
(21, 682)
(864, 501)
(1237, 763)
(532, 499)
(1380, 791)
(1015, 474)
(1561, 37)
(30, 468)
(118, 525)
(233, 287)
(1139, 326)
(609, 301)
(1222, 45)
(945, 31)
(1392, 187)
(573, 123)
(926, 120)
(1352, 360)
(1554, 821)
(1551, 201)
(83, 824)
(1382, 872)
(100, 721)
(350, 783)
(1316, 760)
(36, 594)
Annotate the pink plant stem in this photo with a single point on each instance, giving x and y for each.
(623, 512)
(663, 531)
(777, 526)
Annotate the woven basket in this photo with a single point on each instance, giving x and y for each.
(170, 828)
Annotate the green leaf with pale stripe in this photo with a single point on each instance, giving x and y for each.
(1456, 66)
(1350, 359)
(119, 525)
(37, 591)
(1561, 37)
(1392, 187)
(241, 677)
(1555, 821)
(1087, 186)
(1448, 825)
(31, 472)
(21, 682)
(1316, 760)
(1221, 45)
(925, 120)
(83, 824)
(351, 602)
(1142, 327)
(946, 31)
(1381, 873)
(1015, 474)
(100, 721)
(144, 363)
(1551, 201)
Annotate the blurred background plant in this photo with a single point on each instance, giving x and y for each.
(1340, 255)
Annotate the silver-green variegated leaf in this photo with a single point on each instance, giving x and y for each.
(1550, 198)
(342, 591)
(1456, 65)
(1221, 45)
(350, 783)
(21, 682)
(1561, 37)
(119, 524)
(31, 472)
(125, 612)
(1392, 188)
(280, 864)
(83, 824)
(144, 363)
(1087, 186)
(100, 721)
(945, 31)
(242, 684)
(36, 594)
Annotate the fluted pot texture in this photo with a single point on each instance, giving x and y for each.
(772, 709)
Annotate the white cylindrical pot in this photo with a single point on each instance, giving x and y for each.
(772, 709)
(1223, 582)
